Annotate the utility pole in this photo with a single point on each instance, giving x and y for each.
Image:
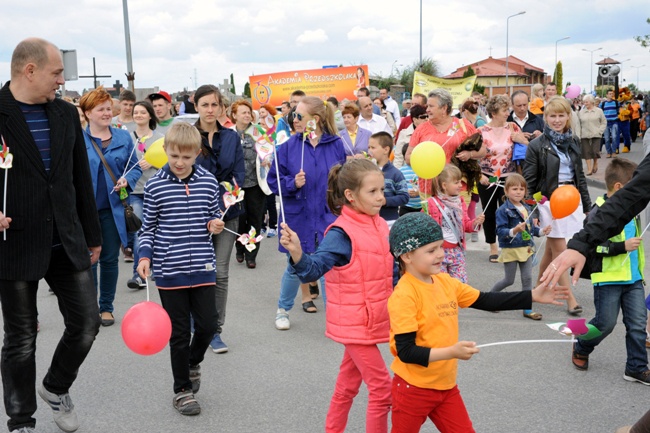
(130, 75)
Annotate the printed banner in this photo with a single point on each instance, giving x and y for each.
(460, 88)
(341, 83)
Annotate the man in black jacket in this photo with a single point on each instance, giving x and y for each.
(531, 125)
(50, 231)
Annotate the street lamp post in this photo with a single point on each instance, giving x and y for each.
(637, 75)
(563, 39)
(591, 68)
(507, 35)
(130, 75)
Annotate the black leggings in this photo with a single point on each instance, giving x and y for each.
(490, 224)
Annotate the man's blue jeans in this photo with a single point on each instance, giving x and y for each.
(608, 300)
(611, 137)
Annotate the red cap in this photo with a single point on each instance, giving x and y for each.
(161, 94)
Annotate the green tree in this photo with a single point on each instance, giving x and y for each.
(232, 84)
(247, 90)
(428, 66)
(557, 77)
(469, 72)
(644, 40)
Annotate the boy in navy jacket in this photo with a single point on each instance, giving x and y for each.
(181, 212)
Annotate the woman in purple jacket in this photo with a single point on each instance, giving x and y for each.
(304, 162)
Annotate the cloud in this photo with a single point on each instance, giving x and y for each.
(317, 36)
(359, 33)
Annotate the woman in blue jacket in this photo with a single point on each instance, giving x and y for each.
(117, 150)
(304, 164)
(223, 156)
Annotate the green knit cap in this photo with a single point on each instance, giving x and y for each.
(413, 231)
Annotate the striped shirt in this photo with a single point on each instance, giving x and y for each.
(174, 233)
(412, 182)
(39, 126)
(610, 108)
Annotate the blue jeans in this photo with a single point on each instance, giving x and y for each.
(78, 305)
(608, 300)
(108, 261)
(611, 137)
(290, 285)
(624, 127)
(137, 203)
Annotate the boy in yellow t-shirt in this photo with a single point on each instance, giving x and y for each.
(423, 312)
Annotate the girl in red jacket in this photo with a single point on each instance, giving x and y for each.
(449, 210)
(355, 258)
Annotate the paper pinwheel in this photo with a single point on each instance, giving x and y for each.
(576, 328)
(6, 161)
(310, 130)
(231, 196)
(250, 239)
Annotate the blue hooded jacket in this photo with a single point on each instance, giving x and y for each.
(305, 208)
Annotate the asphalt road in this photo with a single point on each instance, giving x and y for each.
(282, 381)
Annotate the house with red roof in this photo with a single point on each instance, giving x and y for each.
(491, 73)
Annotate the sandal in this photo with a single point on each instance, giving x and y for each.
(494, 258)
(313, 291)
(575, 311)
(309, 307)
(581, 362)
(533, 315)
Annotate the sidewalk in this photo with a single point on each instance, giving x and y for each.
(597, 180)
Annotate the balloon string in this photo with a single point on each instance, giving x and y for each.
(496, 188)
(146, 281)
(501, 343)
(129, 170)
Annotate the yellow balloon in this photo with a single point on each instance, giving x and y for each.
(155, 154)
(428, 159)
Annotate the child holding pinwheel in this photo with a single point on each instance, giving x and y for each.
(181, 212)
(617, 276)
(515, 231)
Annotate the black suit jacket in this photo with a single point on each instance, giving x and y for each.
(35, 199)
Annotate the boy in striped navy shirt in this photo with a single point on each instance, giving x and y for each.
(181, 212)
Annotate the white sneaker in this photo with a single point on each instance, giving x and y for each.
(65, 416)
(282, 320)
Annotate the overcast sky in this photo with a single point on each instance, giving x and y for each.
(171, 39)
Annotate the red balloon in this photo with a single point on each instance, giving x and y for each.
(564, 201)
(146, 328)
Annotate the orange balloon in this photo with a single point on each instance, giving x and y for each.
(564, 201)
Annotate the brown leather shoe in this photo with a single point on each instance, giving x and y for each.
(581, 362)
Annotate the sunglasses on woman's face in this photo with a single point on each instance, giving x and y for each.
(299, 117)
(423, 116)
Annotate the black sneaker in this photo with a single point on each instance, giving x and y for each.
(136, 283)
(185, 403)
(641, 377)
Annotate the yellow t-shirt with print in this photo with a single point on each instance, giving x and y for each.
(430, 310)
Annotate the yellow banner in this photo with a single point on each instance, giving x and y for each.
(460, 88)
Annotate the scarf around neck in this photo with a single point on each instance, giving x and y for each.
(561, 140)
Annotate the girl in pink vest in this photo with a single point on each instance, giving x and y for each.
(355, 258)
